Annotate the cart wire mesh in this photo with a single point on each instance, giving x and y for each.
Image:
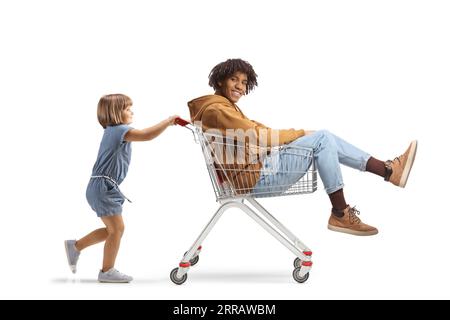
(238, 169)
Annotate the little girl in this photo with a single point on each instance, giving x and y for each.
(103, 193)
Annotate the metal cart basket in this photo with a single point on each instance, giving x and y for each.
(241, 172)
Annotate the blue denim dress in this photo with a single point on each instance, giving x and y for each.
(114, 155)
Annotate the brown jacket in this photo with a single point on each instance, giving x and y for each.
(217, 112)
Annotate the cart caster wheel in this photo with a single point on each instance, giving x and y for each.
(194, 260)
(297, 263)
(296, 275)
(175, 279)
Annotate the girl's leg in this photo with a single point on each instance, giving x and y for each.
(92, 238)
(74, 247)
(115, 228)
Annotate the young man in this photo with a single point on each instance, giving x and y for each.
(235, 78)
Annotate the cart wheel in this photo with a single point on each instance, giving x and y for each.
(175, 279)
(194, 260)
(297, 263)
(296, 275)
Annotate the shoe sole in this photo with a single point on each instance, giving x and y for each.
(112, 281)
(352, 232)
(72, 267)
(409, 164)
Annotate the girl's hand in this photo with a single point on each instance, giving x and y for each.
(171, 119)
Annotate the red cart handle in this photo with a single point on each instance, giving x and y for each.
(181, 122)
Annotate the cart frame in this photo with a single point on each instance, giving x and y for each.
(228, 198)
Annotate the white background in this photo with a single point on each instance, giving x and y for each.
(373, 72)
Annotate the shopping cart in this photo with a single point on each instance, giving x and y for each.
(233, 179)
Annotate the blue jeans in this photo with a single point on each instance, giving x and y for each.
(288, 165)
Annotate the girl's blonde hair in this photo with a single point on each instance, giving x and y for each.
(110, 107)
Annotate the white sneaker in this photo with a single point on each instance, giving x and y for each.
(72, 254)
(113, 276)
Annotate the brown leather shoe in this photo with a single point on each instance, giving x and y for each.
(397, 170)
(351, 224)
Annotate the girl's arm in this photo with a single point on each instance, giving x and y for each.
(151, 132)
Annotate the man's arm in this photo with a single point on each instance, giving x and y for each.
(227, 118)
